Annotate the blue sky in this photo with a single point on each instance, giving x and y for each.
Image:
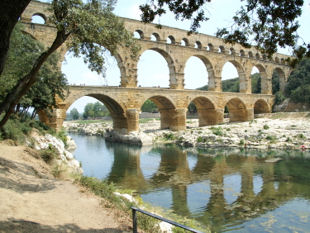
(152, 68)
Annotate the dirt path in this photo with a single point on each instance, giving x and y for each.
(31, 200)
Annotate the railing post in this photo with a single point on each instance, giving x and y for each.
(134, 221)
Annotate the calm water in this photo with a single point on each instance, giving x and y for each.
(229, 190)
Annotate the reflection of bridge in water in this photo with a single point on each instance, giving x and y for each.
(279, 184)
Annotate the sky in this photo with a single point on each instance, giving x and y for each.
(152, 67)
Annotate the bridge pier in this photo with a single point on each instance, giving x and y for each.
(210, 116)
(236, 115)
(173, 119)
(132, 120)
(53, 119)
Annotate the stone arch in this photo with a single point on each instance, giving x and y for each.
(210, 47)
(170, 40)
(277, 60)
(221, 49)
(167, 110)
(232, 51)
(41, 15)
(243, 80)
(170, 62)
(116, 110)
(257, 56)
(263, 75)
(250, 54)
(206, 110)
(242, 53)
(155, 37)
(237, 110)
(208, 65)
(198, 45)
(261, 106)
(281, 76)
(139, 33)
(184, 42)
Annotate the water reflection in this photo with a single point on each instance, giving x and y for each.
(226, 189)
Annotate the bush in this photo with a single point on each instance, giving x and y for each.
(217, 131)
(62, 135)
(266, 127)
(49, 153)
(169, 136)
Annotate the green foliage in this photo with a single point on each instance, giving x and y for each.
(256, 83)
(301, 136)
(149, 106)
(62, 135)
(266, 127)
(74, 114)
(95, 110)
(192, 108)
(49, 153)
(271, 138)
(298, 85)
(169, 136)
(21, 56)
(279, 97)
(17, 128)
(217, 131)
(241, 143)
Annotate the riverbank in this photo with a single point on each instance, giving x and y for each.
(268, 131)
(33, 200)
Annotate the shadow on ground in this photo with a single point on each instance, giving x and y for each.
(22, 226)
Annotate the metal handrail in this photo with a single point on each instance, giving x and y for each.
(134, 220)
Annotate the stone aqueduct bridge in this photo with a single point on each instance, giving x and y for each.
(125, 101)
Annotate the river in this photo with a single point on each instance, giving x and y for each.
(226, 189)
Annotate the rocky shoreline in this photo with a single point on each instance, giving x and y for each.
(270, 131)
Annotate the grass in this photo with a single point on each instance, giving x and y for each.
(49, 154)
(217, 131)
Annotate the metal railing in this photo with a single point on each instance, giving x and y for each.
(135, 224)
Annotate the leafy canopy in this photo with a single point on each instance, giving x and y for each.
(21, 56)
(265, 23)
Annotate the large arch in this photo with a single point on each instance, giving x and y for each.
(206, 70)
(278, 78)
(207, 113)
(230, 71)
(263, 76)
(167, 110)
(261, 106)
(237, 110)
(172, 74)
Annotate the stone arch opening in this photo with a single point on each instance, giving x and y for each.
(236, 110)
(233, 77)
(232, 51)
(251, 54)
(38, 18)
(221, 49)
(197, 73)
(242, 53)
(116, 111)
(165, 108)
(156, 69)
(138, 34)
(261, 106)
(184, 42)
(155, 37)
(205, 110)
(256, 80)
(170, 40)
(78, 72)
(198, 45)
(278, 80)
(257, 56)
(276, 59)
(210, 47)
(264, 83)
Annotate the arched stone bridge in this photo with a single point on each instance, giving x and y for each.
(176, 46)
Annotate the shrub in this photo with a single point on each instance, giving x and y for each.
(241, 143)
(62, 135)
(49, 153)
(169, 136)
(266, 127)
(301, 136)
(217, 131)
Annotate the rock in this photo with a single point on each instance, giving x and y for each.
(126, 196)
(165, 227)
(273, 160)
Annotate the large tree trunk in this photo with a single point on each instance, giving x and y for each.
(23, 85)
(10, 11)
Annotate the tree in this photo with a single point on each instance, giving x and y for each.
(298, 85)
(10, 11)
(269, 23)
(74, 114)
(149, 106)
(95, 110)
(51, 81)
(90, 26)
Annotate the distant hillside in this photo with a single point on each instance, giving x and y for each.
(232, 85)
